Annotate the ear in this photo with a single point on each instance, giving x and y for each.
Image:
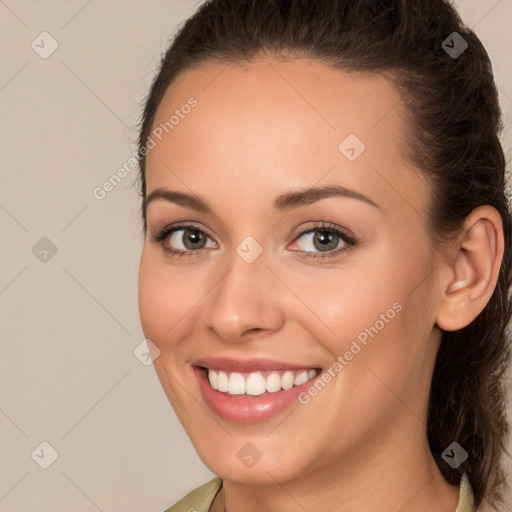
(471, 272)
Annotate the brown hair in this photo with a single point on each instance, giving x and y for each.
(453, 112)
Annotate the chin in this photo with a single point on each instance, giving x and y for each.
(244, 460)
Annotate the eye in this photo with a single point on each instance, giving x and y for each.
(322, 240)
(325, 238)
(188, 239)
(182, 240)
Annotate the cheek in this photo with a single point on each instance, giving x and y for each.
(368, 314)
(345, 305)
(163, 300)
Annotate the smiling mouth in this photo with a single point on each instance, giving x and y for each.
(257, 383)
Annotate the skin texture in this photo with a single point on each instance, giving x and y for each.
(261, 129)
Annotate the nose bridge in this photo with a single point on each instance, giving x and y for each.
(245, 297)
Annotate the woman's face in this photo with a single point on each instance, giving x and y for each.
(252, 297)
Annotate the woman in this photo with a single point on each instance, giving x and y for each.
(327, 258)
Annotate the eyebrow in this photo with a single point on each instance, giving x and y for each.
(286, 201)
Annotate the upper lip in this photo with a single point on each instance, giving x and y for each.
(247, 365)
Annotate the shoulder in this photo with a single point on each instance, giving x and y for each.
(200, 499)
(466, 497)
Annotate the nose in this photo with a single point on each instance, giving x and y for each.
(245, 302)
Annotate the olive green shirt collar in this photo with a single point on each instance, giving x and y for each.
(200, 500)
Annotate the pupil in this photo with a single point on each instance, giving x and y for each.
(195, 236)
(325, 238)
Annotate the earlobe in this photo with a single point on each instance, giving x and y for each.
(473, 273)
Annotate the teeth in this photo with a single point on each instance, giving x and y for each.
(302, 377)
(273, 382)
(255, 383)
(236, 384)
(222, 382)
(287, 380)
(214, 379)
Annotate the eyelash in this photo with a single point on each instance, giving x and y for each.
(161, 236)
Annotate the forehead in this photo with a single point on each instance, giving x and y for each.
(269, 123)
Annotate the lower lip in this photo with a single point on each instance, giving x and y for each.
(247, 409)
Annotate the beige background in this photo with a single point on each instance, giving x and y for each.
(69, 326)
